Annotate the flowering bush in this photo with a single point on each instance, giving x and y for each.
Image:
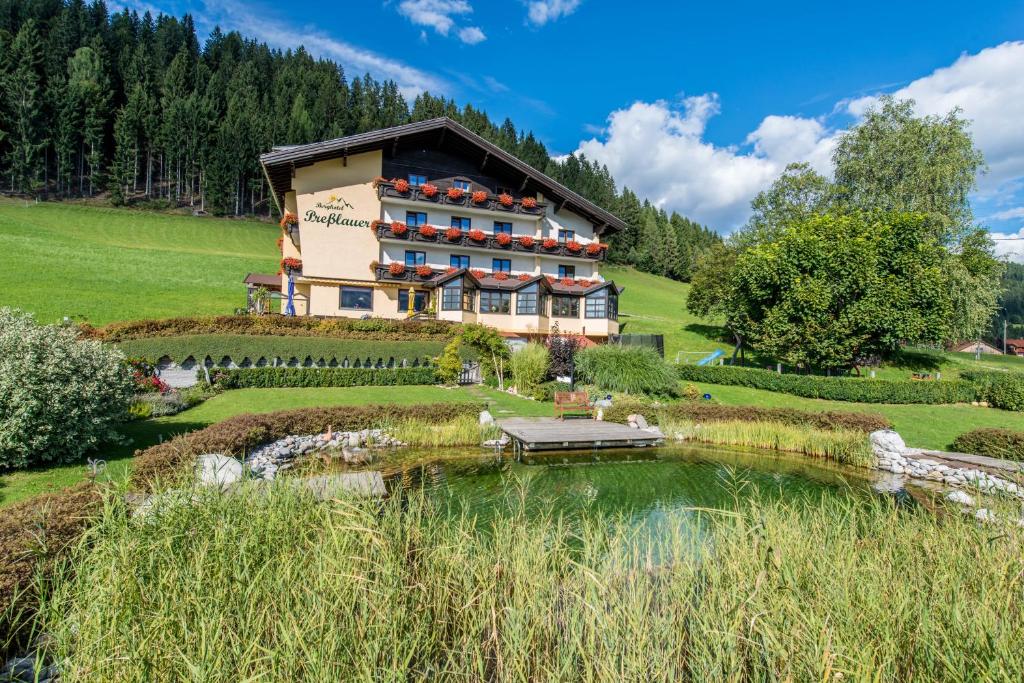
(529, 203)
(550, 243)
(523, 277)
(573, 245)
(428, 190)
(455, 193)
(477, 235)
(503, 238)
(398, 228)
(501, 275)
(424, 271)
(401, 185)
(505, 199)
(60, 396)
(526, 241)
(453, 234)
(477, 273)
(396, 268)
(289, 218)
(291, 263)
(428, 231)
(593, 248)
(567, 281)
(479, 197)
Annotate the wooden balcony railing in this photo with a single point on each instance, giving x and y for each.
(490, 242)
(492, 203)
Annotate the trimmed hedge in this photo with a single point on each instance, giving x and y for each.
(1000, 389)
(835, 388)
(245, 378)
(706, 412)
(169, 461)
(34, 535)
(289, 326)
(995, 443)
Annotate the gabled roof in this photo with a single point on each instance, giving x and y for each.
(514, 283)
(279, 164)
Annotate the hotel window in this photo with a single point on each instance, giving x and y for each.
(526, 300)
(358, 298)
(500, 227)
(461, 222)
(566, 271)
(415, 258)
(501, 265)
(495, 301)
(414, 219)
(458, 261)
(416, 179)
(566, 235)
(602, 304)
(454, 297)
(565, 306)
(419, 302)
(461, 184)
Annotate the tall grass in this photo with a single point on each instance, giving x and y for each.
(276, 587)
(842, 445)
(628, 369)
(529, 367)
(465, 430)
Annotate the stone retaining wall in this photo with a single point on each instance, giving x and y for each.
(186, 373)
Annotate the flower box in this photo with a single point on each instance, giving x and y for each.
(505, 200)
(479, 197)
(478, 274)
(573, 246)
(501, 275)
(523, 277)
(455, 193)
(428, 190)
(424, 271)
(453, 234)
(396, 268)
(401, 185)
(503, 239)
(398, 229)
(428, 231)
(477, 235)
(289, 218)
(567, 281)
(550, 243)
(529, 202)
(526, 241)
(593, 249)
(291, 265)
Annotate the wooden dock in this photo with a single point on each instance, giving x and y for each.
(548, 434)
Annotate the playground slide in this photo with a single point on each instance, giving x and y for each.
(710, 359)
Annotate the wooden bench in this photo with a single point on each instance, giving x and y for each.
(572, 402)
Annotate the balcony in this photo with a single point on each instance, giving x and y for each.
(440, 236)
(440, 196)
(384, 274)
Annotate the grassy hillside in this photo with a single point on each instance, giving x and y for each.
(105, 264)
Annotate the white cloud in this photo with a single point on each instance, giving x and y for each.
(1016, 212)
(540, 12)
(659, 151)
(1009, 245)
(471, 35)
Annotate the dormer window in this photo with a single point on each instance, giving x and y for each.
(462, 184)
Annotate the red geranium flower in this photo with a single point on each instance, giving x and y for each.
(396, 268)
(428, 190)
(529, 203)
(428, 231)
(584, 283)
(501, 275)
(424, 271)
(567, 281)
(593, 248)
(479, 197)
(503, 238)
(550, 243)
(526, 241)
(453, 234)
(478, 274)
(402, 185)
(376, 224)
(551, 278)
(573, 245)
(291, 263)
(399, 228)
(505, 199)
(477, 235)
(289, 218)
(451, 269)
(455, 193)
(523, 277)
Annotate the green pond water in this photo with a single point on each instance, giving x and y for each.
(639, 484)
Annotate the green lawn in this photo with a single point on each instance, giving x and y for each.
(105, 264)
(921, 426)
(19, 485)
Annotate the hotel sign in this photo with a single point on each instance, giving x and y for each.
(332, 212)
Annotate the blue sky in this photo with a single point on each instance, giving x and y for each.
(695, 105)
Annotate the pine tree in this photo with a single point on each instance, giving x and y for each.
(25, 130)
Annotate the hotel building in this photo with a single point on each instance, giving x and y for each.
(430, 219)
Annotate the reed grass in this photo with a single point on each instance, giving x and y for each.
(277, 587)
(465, 430)
(842, 445)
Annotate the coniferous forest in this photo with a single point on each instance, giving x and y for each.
(137, 110)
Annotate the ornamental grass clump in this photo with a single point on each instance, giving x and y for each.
(626, 369)
(529, 367)
(60, 396)
(275, 586)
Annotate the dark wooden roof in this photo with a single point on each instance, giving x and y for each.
(514, 283)
(279, 164)
(263, 279)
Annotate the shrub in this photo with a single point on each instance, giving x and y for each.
(449, 364)
(546, 391)
(243, 378)
(171, 460)
(59, 396)
(1001, 389)
(708, 412)
(995, 443)
(629, 369)
(529, 367)
(834, 388)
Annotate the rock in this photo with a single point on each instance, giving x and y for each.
(599, 415)
(641, 422)
(486, 418)
(356, 456)
(887, 441)
(985, 515)
(960, 497)
(631, 420)
(215, 469)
